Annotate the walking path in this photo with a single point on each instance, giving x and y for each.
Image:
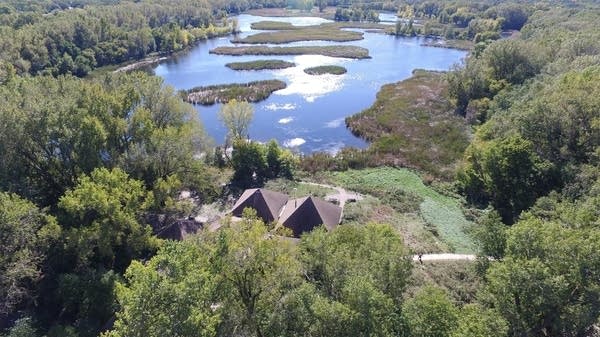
(342, 196)
(445, 257)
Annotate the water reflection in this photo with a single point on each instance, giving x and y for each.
(308, 115)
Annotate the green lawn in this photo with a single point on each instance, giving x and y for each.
(443, 214)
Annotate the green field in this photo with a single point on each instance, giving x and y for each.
(442, 214)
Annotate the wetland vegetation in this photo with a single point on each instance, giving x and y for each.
(260, 65)
(320, 70)
(250, 92)
(343, 51)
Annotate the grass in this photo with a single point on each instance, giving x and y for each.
(411, 226)
(260, 65)
(413, 122)
(458, 278)
(298, 189)
(295, 35)
(320, 70)
(285, 32)
(272, 25)
(442, 214)
(250, 92)
(332, 51)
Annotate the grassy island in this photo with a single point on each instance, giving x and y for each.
(320, 70)
(251, 92)
(260, 65)
(284, 32)
(332, 51)
(312, 33)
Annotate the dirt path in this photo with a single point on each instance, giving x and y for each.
(342, 196)
(445, 257)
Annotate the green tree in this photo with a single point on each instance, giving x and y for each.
(255, 271)
(491, 235)
(477, 321)
(236, 116)
(548, 282)
(22, 328)
(26, 236)
(430, 313)
(249, 163)
(104, 213)
(508, 172)
(171, 295)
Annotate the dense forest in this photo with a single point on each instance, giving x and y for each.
(92, 167)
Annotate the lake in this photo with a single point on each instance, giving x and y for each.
(309, 114)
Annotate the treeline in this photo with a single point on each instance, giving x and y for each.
(77, 40)
(84, 163)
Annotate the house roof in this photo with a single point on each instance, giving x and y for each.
(304, 214)
(267, 203)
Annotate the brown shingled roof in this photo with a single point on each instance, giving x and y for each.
(304, 214)
(267, 203)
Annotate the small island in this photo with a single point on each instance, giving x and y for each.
(321, 70)
(250, 92)
(260, 65)
(353, 52)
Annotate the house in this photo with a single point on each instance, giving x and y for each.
(300, 215)
(304, 214)
(268, 204)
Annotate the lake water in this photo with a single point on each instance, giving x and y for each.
(309, 114)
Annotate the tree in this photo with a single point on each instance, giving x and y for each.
(332, 259)
(491, 235)
(548, 282)
(249, 163)
(171, 295)
(256, 272)
(237, 117)
(26, 236)
(477, 321)
(430, 313)
(508, 172)
(104, 215)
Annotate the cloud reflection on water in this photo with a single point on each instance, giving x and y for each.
(311, 87)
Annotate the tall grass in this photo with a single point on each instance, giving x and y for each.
(442, 213)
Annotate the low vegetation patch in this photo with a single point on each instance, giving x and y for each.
(413, 121)
(260, 65)
(250, 92)
(285, 32)
(353, 52)
(403, 189)
(306, 34)
(458, 278)
(320, 70)
(298, 189)
(272, 25)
